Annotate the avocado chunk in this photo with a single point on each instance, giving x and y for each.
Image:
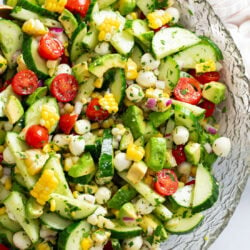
(133, 119)
(126, 6)
(4, 97)
(150, 131)
(102, 64)
(14, 109)
(39, 93)
(193, 152)
(155, 155)
(158, 118)
(68, 21)
(127, 214)
(33, 209)
(81, 73)
(127, 139)
(137, 171)
(214, 92)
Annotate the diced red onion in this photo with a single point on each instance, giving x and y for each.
(128, 219)
(211, 130)
(151, 103)
(167, 135)
(40, 83)
(169, 102)
(56, 30)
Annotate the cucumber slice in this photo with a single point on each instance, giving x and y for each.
(70, 238)
(33, 59)
(169, 72)
(198, 53)
(9, 224)
(127, 6)
(105, 3)
(206, 190)
(91, 38)
(33, 114)
(171, 40)
(146, 6)
(6, 236)
(123, 232)
(93, 8)
(38, 94)
(15, 203)
(54, 221)
(218, 51)
(183, 196)
(163, 213)
(136, 56)
(183, 225)
(85, 89)
(3, 193)
(11, 40)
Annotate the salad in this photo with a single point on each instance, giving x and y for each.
(107, 133)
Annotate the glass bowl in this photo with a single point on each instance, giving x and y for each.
(232, 172)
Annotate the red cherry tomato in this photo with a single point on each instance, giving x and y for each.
(50, 47)
(95, 112)
(3, 247)
(67, 122)
(78, 6)
(64, 87)
(164, 26)
(179, 154)
(208, 106)
(24, 82)
(205, 77)
(166, 182)
(188, 90)
(37, 136)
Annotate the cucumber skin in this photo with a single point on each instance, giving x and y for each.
(123, 234)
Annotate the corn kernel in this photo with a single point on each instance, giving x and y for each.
(43, 246)
(50, 147)
(95, 125)
(2, 210)
(86, 243)
(181, 184)
(204, 67)
(98, 82)
(108, 123)
(193, 171)
(96, 95)
(1, 171)
(115, 212)
(34, 27)
(75, 194)
(49, 117)
(1, 149)
(55, 5)
(73, 214)
(135, 153)
(8, 183)
(109, 103)
(158, 18)
(131, 70)
(127, 102)
(52, 205)
(154, 93)
(107, 28)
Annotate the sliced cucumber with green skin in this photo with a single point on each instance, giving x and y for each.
(33, 114)
(149, 194)
(146, 6)
(33, 209)
(183, 196)
(91, 38)
(54, 221)
(86, 179)
(15, 203)
(6, 236)
(123, 232)
(32, 58)
(93, 8)
(70, 238)
(183, 225)
(9, 224)
(123, 42)
(118, 85)
(206, 190)
(196, 54)
(125, 194)
(158, 118)
(11, 40)
(105, 171)
(169, 72)
(17, 147)
(171, 40)
(95, 149)
(102, 64)
(116, 244)
(126, 139)
(71, 208)
(3, 193)
(76, 48)
(54, 164)
(38, 94)
(136, 56)
(163, 213)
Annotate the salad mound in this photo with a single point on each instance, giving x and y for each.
(107, 133)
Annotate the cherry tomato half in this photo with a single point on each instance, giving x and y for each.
(37, 136)
(95, 112)
(188, 90)
(205, 77)
(3, 247)
(64, 87)
(208, 106)
(50, 47)
(78, 6)
(166, 182)
(179, 154)
(67, 122)
(164, 26)
(24, 82)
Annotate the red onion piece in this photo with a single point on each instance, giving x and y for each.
(56, 30)
(151, 103)
(128, 219)
(40, 83)
(169, 102)
(210, 129)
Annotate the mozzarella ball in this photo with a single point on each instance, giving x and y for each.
(174, 13)
(134, 93)
(76, 145)
(133, 243)
(82, 126)
(160, 85)
(222, 146)
(102, 195)
(121, 162)
(61, 140)
(21, 240)
(146, 79)
(184, 168)
(86, 197)
(180, 135)
(102, 48)
(149, 62)
(63, 69)
(143, 206)
(8, 156)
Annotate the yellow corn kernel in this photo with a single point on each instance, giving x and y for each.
(50, 147)
(75, 194)
(8, 183)
(158, 18)
(154, 93)
(95, 125)
(107, 28)
(127, 102)
(108, 123)
(181, 184)
(96, 95)
(86, 243)
(52, 205)
(115, 212)
(109, 103)
(73, 214)
(162, 104)
(135, 153)
(204, 67)
(99, 132)
(131, 69)
(134, 15)
(43, 246)
(98, 83)
(1, 149)
(55, 5)
(34, 27)
(159, 135)
(184, 178)
(2, 210)
(1, 171)
(193, 171)
(89, 189)
(49, 117)
(46, 185)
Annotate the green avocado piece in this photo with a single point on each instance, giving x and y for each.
(126, 139)
(155, 155)
(39, 93)
(150, 131)
(214, 92)
(127, 214)
(68, 21)
(14, 109)
(81, 73)
(126, 6)
(193, 152)
(133, 119)
(158, 118)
